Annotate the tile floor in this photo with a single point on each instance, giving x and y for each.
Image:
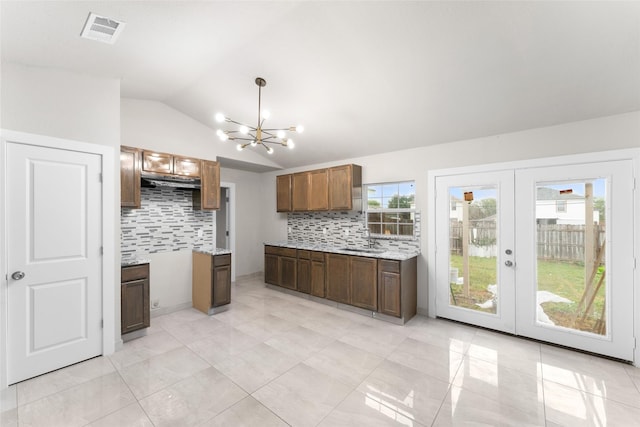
(275, 360)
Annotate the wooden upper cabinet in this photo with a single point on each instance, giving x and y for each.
(157, 162)
(129, 177)
(186, 166)
(318, 190)
(283, 193)
(300, 191)
(345, 187)
(210, 192)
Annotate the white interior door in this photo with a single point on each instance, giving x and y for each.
(575, 256)
(475, 249)
(53, 214)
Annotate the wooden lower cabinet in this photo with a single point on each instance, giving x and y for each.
(337, 269)
(364, 282)
(135, 305)
(280, 267)
(318, 274)
(304, 272)
(211, 281)
(384, 286)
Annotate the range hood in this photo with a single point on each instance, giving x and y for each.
(171, 181)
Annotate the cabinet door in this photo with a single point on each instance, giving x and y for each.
(271, 272)
(304, 275)
(129, 177)
(288, 270)
(186, 166)
(300, 191)
(221, 294)
(364, 282)
(210, 192)
(319, 190)
(337, 270)
(283, 193)
(389, 293)
(340, 188)
(317, 279)
(157, 162)
(135, 309)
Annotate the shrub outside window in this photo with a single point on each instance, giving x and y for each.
(390, 209)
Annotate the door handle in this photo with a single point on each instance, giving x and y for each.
(508, 263)
(18, 275)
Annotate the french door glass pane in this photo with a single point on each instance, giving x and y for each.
(473, 248)
(570, 241)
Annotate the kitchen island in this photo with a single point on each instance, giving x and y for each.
(375, 282)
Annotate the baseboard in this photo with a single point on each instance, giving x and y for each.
(170, 309)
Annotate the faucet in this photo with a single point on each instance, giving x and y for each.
(370, 241)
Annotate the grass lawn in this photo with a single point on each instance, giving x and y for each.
(561, 278)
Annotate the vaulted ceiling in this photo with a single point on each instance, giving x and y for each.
(364, 77)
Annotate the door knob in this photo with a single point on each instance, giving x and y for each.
(508, 263)
(18, 275)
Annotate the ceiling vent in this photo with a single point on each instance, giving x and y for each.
(102, 29)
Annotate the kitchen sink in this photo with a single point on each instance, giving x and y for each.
(367, 250)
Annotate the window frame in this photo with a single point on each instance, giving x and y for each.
(409, 218)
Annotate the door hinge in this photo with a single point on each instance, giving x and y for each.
(101, 250)
(100, 177)
(227, 232)
(227, 199)
(102, 323)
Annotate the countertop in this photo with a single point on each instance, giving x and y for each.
(127, 262)
(397, 255)
(213, 251)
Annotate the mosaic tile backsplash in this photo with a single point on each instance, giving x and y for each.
(166, 222)
(328, 228)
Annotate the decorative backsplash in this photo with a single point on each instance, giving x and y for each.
(166, 222)
(328, 228)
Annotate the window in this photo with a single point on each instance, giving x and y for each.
(390, 209)
(561, 205)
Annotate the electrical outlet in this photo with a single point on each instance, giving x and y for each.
(346, 231)
(155, 303)
(289, 229)
(324, 231)
(200, 232)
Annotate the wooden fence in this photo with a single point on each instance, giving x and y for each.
(555, 242)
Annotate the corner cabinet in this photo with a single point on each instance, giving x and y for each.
(211, 282)
(281, 267)
(134, 298)
(129, 177)
(333, 189)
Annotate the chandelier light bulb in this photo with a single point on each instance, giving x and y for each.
(269, 150)
(222, 135)
(281, 134)
(299, 128)
(244, 129)
(220, 117)
(254, 143)
(239, 147)
(290, 143)
(266, 114)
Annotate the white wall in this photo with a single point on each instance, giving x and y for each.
(70, 106)
(607, 133)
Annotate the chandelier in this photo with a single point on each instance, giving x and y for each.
(257, 135)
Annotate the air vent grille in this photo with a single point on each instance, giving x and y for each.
(102, 29)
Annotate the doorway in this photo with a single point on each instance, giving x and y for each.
(543, 252)
(225, 223)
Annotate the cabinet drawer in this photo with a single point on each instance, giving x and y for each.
(221, 260)
(389, 266)
(277, 250)
(302, 254)
(317, 256)
(134, 272)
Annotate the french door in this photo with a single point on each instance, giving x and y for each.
(544, 252)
